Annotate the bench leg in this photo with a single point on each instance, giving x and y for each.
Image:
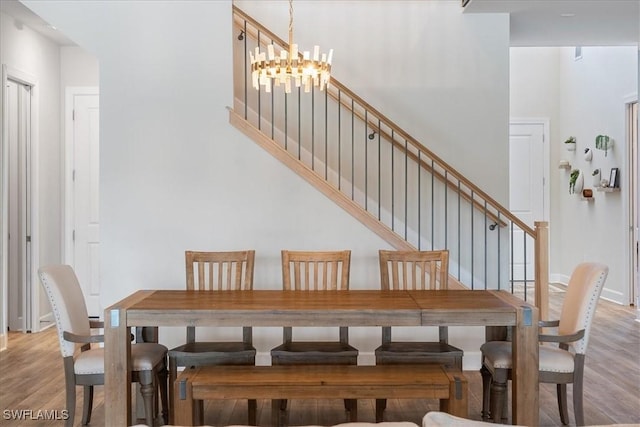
(457, 404)
(353, 410)
(183, 405)
(275, 413)
(381, 405)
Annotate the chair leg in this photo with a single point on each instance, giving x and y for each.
(578, 373)
(70, 389)
(498, 396)
(87, 405)
(486, 392)
(173, 374)
(162, 385)
(147, 389)
(561, 391)
(381, 405)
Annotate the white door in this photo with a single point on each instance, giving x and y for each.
(85, 224)
(526, 191)
(19, 230)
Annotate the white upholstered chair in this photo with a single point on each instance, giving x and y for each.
(84, 364)
(560, 365)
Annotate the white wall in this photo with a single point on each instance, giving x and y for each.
(29, 52)
(175, 175)
(582, 98)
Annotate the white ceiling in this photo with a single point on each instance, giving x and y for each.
(567, 22)
(24, 16)
(533, 22)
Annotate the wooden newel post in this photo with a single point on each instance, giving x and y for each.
(542, 268)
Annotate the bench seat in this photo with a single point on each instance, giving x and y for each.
(318, 382)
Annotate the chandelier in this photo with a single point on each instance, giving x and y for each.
(288, 66)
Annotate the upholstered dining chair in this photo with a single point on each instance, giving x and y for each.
(560, 365)
(315, 271)
(84, 363)
(412, 270)
(216, 272)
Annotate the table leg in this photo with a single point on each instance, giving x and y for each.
(525, 404)
(117, 372)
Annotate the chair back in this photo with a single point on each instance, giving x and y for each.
(67, 303)
(315, 270)
(579, 306)
(414, 270)
(219, 271)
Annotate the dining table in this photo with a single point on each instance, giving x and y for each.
(492, 309)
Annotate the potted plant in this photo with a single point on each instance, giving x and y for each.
(570, 143)
(596, 177)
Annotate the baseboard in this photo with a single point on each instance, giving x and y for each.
(3, 342)
(46, 321)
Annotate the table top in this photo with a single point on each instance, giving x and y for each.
(326, 308)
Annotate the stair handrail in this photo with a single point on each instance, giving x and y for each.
(474, 189)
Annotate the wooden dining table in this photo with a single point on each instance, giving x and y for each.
(160, 308)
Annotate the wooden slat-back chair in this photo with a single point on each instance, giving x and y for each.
(315, 271)
(415, 270)
(216, 272)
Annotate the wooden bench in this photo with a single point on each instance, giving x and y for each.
(317, 382)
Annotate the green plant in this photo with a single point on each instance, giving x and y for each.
(604, 142)
(595, 172)
(572, 180)
(570, 140)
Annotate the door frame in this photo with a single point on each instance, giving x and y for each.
(633, 208)
(68, 167)
(30, 323)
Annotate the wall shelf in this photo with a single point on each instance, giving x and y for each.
(608, 189)
(565, 166)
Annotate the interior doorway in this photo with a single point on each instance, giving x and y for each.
(19, 201)
(82, 213)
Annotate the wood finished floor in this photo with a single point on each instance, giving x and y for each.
(31, 377)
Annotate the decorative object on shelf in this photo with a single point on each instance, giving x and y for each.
(587, 194)
(596, 177)
(564, 164)
(614, 178)
(588, 154)
(604, 142)
(570, 143)
(288, 66)
(576, 182)
(604, 183)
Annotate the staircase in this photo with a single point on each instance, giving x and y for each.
(387, 179)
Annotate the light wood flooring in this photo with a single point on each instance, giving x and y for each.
(31, 377)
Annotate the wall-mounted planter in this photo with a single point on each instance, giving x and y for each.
(576, 182)
(588, 154)
(595, 175)
(570, 143)
(604, 142)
